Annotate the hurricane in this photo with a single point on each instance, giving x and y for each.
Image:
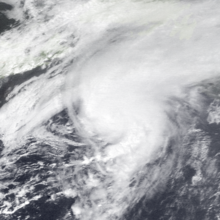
(109, 109)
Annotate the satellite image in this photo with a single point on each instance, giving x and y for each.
(109, 110)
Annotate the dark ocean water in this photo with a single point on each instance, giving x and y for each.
(5, 22)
